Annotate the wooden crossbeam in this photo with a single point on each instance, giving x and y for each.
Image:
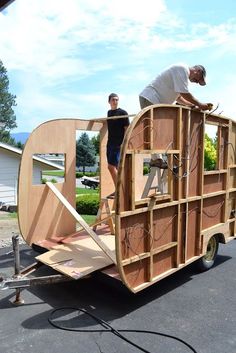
(80, 220)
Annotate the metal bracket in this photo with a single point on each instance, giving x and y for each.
(19, 279)
(23, 282)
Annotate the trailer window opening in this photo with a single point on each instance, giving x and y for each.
(48, 167)
(211, 148)
(152, 180)
(87, 153)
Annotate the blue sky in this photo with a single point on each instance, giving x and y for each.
(64, 57)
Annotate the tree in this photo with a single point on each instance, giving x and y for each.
(7, 101)
(96, 142)
(210, 153)
(5, 137)
(19, 145)
(85, 152)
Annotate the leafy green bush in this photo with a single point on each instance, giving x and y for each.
(210, 153)
(53, 180)
(44, 180)
(87, 204)
(89, 174)
(146, 170)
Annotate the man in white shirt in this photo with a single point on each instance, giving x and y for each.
(172, 86)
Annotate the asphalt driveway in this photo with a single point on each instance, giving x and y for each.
(197, 308)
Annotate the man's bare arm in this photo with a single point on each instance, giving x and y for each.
(192, 101)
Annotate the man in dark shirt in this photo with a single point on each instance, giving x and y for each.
(116, 132)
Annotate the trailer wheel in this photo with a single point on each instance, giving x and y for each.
(208, 260)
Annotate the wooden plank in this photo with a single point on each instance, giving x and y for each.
(133, 181)
(151, 130)
(216, 193)
(79, 258)
(150, 244)
(214, 123)
(219, 152)
(179, 154)
(170, 177)
(186, 193)
(80, 220)
(112, 118)
(215, 172)
(202, 169)
(227, 209)
(165, 247)
(152, 151)
(135, 258)
(178, 252)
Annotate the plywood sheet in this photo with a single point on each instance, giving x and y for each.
(79, 258)
(213, 182)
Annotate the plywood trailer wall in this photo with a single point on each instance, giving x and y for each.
(41, 215)
(164, 218)
(160, 232)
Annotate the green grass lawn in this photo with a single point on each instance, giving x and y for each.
(88, 218)
(82, 191)
(59, 173)
(7, 215)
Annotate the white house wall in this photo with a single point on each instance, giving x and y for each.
(9, 169)
(9, 166)
(37, 173)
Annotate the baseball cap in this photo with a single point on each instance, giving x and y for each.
(202, 82)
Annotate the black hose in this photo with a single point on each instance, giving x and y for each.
(108, 328)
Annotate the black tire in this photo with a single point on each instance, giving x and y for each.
(207, 261)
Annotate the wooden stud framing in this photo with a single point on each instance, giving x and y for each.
(201, 201)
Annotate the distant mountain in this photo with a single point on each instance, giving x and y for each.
(20, 136)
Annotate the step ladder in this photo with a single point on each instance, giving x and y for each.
(108, 219)
(161, 186)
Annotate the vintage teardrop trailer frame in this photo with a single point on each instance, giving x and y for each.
(158, 223)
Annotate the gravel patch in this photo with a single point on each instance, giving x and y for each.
(4, 243)
(8, 228)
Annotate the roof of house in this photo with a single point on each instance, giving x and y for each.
(18, 151)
